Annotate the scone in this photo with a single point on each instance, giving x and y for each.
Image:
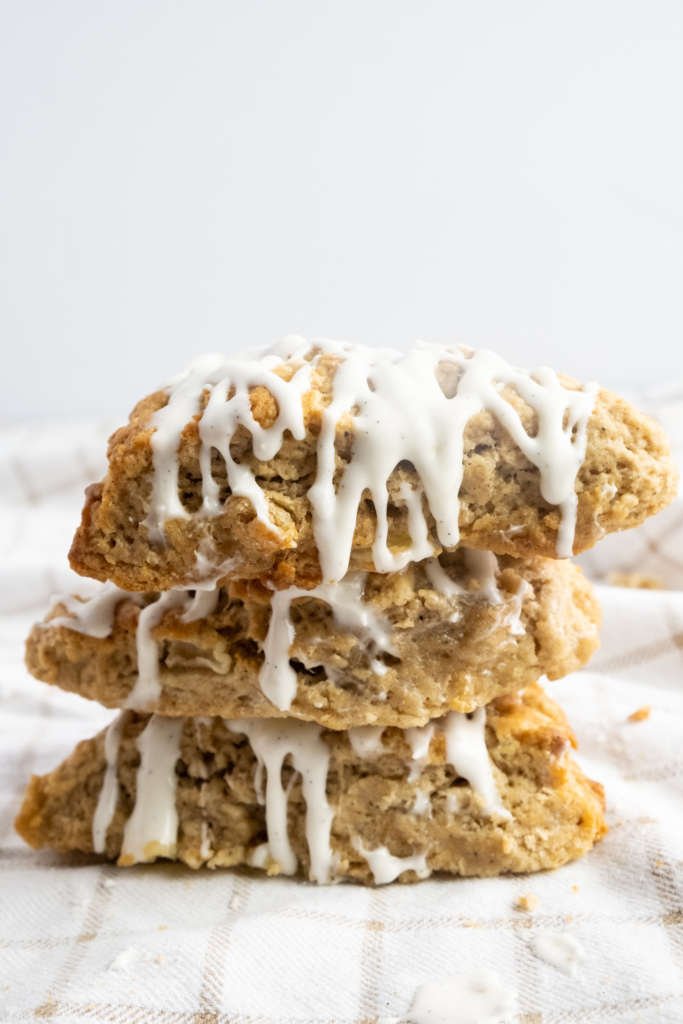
(484, 794)
(318, 459)
(398, 649)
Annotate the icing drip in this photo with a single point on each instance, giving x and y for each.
(258, 857)
(205, 842)
(229, 406)
(401, 413)
(466, 751)
(109, 793)
(277, 678)
(454, 801)
(147, 685)
(272, 742)
(419, 738)
(94, 616)
(477, 998)
(402, 408)
(440, 580)
(386, 868)
(366, 740)
(422, 806)
(259, 783)
(152, 829)
(482, 567)
(201, 605)
(513, 619)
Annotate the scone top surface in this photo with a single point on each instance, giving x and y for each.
(313, 459)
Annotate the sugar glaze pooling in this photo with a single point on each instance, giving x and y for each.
(402, 407)
(475, 998)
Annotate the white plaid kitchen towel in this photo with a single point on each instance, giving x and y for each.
(163, 945)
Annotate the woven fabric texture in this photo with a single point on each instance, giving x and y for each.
(161, 945)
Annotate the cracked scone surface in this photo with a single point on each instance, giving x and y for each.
(627, 475)
(448, 652)
(556, 813)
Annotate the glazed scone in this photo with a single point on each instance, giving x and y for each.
(291, 798)
(314, 460)
(395, 649)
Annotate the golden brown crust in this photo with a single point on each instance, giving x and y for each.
(211, 667)
(557, 813)
(627, 475)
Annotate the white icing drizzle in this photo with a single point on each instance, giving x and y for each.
(476, 998)
(201, 605)
(419, 738)
(260, 782)
(466, 751)
(205, 849)
(109, 793)
(259, 856)
(152, 829)
(559, 949)
(366, 740)
(440, 580)
(228, 382)
(93, 616)
(272, 741)
(277, 678)
(147, 685)
(385, 867)
(422, 805)
(513, 619)
(454, 800)
(483, 567)
(398, 408)
(400, 413)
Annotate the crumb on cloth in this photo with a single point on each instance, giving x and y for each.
(640, 714)
(526, 903)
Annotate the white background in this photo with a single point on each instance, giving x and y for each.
(181, 177)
